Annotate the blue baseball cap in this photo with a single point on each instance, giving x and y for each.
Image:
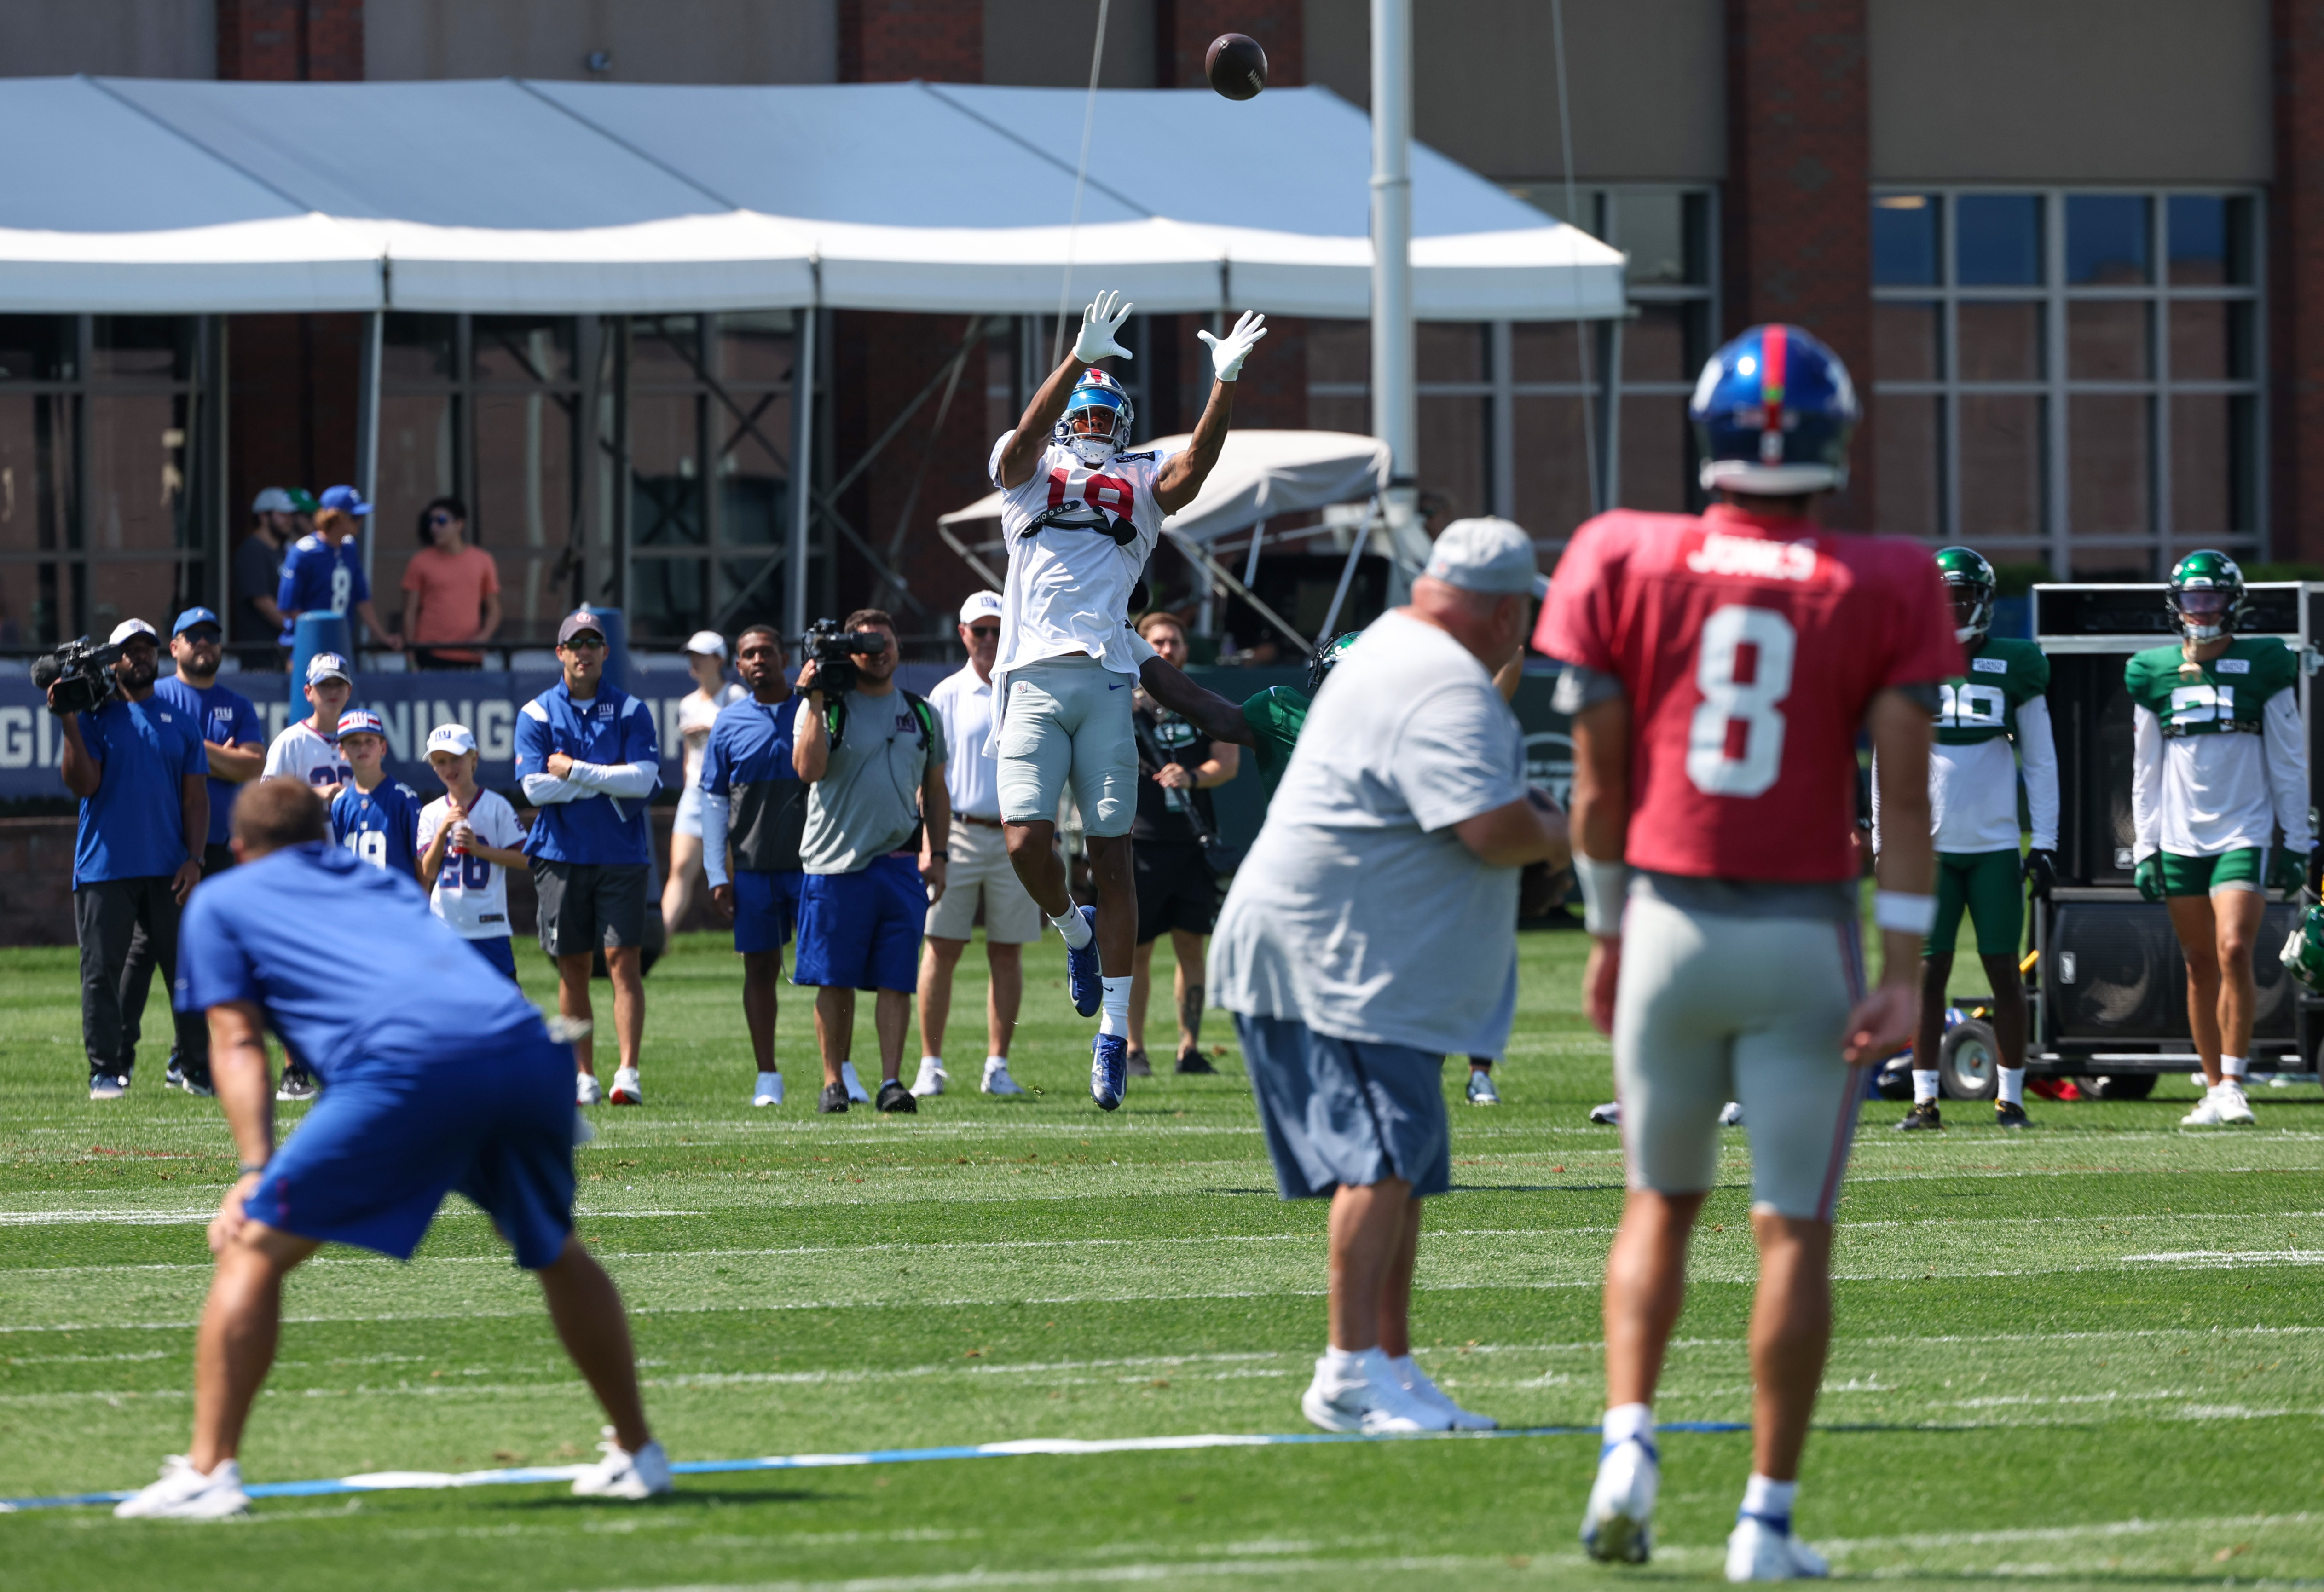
(191, 618)
(362, 721)
(347, 500)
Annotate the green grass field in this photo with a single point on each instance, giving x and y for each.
(2092, 1353)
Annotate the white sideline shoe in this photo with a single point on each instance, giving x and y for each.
(184, 1493)
(586, 1090)
(2222, 1106)
(1763, 1549)
(107, 1086)
(1608, 1115)
(624, 1474)
(932, 1078)
(997, 1079)
(1416, 1383)
(1373, 1402)
(627, 1091)
(856, 1092)
(768, 1090)
(1730, 1115)
(1481, 1092)
(1618, 1525)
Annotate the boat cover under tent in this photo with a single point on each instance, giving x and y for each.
(148, 196)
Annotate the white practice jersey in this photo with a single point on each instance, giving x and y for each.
(1069, 578)
(472, 894)
(696, 714)
(2199, 795)
(298, 753)
(1973, 789)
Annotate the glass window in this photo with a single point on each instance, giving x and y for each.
(2000, 240)
(36, 347)
(126, 346)
(524, 348)
(1659, 344)
(1452, 452)
(1451, 351)
(1657, 456)
(2106, 340)
(2210, 340)
(1552, 482)
(420, 348)
(1666, 235)
(2107, 239)
(2109, 463)
(1907, 431)
(2001, 466)
(2211, 240)
(1908, 341)
(2000, 342)
(1905, 239)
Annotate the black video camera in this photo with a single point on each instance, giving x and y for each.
(82, 673)
(835, 652)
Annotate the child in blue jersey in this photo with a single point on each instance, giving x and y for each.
(373, 817)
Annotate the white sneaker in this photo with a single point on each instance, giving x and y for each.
(2235, 1106)
(627, 1090)
(624, 1474)
(856, 1092)
(107, 1086)
(2220, 1108)
(997, 1079)
(184, 1493)
(1730, 1115)
(1619, 1523)
(1416, 1383)
(1763, 1549)
(1372, 1401)
(585, 1090)
(932, 1078)
(1481, 1092)
(1608, 1115)
(768, 1090)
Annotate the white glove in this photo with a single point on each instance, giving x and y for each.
(1100, 322)
(1228, 353)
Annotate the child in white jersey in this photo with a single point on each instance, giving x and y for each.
(468, 841)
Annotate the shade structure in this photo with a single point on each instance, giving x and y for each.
(150, 195)
(1260, 475)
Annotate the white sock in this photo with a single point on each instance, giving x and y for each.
(1924, 1087)
(1116, 1017)
(994, 1064)
(1764, 1496)
(1348, 1364)
(1074, 928)
(936, 1061)
(2012, 1086)
(1625, 1421)
(2234, 1068)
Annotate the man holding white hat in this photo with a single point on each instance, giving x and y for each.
(981, 870)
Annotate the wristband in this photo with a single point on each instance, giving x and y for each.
(249, 1170)
(939, 856)
(1605, 887)
(1904, 914)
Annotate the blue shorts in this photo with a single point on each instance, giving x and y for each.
(501, 952)
(376, 1154)
(1337, 1111)
(861, 930)
(766, 905)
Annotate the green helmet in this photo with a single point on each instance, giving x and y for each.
(1970, 582)
(2206, 595)
(2303, 952)
(1326, 656)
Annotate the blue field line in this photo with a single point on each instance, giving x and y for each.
(388, 1481)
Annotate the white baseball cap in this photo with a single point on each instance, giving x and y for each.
(708, 643)
(451, 738)
(1488, 554)
(128, 628)
(980, 605)
(273, 501)
(327, 666)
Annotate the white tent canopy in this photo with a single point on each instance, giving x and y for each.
(1259, 475)
(151, 196)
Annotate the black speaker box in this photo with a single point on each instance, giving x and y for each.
(2112, 970)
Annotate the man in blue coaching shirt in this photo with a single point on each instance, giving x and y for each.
(587, 757)
(324, 570)
(352, 971)
(751, 791)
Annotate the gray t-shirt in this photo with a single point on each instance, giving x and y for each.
(868, 802)
(1359, 912)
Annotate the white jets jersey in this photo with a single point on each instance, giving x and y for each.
(1077, 538)
(472, 894)
(298, 753)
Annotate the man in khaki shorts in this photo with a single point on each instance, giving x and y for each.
(981, 872)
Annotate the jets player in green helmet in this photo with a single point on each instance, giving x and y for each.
(1993, 723)
(2220, 766)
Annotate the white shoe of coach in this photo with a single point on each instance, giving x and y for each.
(1370, 1401)
(932, 1078)
(1760, 1550)
(586, 1090)
(856, 1092)
(184, 1493)
(1618, 1524)
(1416, 1383)
(624, 1474)
(997, 1079)
(627, 1090)
(768, 1090)
(2222, 1106)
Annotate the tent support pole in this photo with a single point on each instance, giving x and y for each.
(1356, 546)
(968, 556)
(802, 469)
(1395, 419)
(367, 430)
(1219, 572)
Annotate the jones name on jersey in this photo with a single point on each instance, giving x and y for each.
(2221, 755)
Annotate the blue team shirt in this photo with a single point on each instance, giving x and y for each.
(350, 967)
(318, 575)
(381, 825)
(616, 728)
(134, 826)
(750, 744)
(227, 718)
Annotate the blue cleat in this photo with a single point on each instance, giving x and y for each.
(1084, 977)
(1108, 1069)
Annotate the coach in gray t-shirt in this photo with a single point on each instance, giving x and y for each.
(1373, 929)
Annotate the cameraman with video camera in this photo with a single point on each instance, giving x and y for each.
(878, 825)
(140, 770)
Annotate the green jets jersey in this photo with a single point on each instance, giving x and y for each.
(1275, 716)
(2224, 697)
(1982, 705)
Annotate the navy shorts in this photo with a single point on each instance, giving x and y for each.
(766, 905)
(500, 952)
(376, 1153)
(1337, 1111)
(861, 930)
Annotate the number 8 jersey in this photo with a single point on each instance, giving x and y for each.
(1748, 647)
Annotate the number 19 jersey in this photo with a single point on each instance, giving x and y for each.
(1748, 647)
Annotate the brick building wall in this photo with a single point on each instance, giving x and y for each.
(2296, 283)
(290, 41)
(895, 41)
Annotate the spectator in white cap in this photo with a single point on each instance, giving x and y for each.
(697, 711)
(469, 839)
(980, 873)
(308, 750)
(257, 570)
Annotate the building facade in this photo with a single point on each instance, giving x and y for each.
(2072, 251)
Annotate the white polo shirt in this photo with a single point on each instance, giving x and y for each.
(972, 773)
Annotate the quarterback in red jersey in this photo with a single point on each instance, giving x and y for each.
(1719, 670)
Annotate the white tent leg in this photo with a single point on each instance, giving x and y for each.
(802, 471)
(1395, 416)
(367, 433)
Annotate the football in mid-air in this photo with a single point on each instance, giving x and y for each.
(1237, 66)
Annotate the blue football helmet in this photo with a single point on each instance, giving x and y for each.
(1773, 412)
(1096, 422)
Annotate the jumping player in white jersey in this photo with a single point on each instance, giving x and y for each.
(1081, 515)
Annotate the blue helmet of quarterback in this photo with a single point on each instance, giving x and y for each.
(1096, 421)
(1773, 412)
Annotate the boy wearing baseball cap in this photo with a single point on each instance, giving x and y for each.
(375, 817)
(468, 841)
(310, 750)
(324, 569)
